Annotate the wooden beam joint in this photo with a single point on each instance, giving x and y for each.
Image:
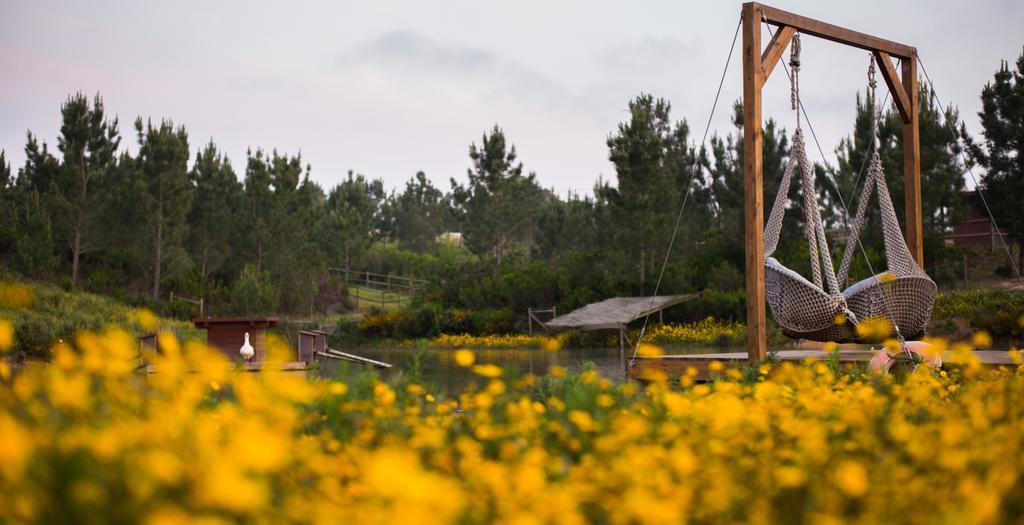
(892, 80)
(771, 55)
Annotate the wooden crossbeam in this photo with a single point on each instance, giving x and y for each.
(810, 26)
(895, 85)
(774, 51)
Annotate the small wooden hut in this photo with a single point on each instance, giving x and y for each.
(228, 333)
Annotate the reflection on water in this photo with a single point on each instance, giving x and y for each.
(441, 371)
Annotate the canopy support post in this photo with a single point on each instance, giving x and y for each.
(622, 352)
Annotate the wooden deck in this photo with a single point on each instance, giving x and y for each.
(676, 365)
(287, 366)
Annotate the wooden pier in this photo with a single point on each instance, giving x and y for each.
(677, 365)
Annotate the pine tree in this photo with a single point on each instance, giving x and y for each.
(41, 167)
(125, 204)
(213, 217)
(726, 186)
(644, 202)
(418, 214)
(163, 159)
(500, 203)
(293, 257)
(346, 229)
(5, 173)
(88, 142)
(259, 204)
(26, 235)
(1002, 122)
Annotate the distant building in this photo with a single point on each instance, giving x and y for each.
(452, 238)
(977, 230)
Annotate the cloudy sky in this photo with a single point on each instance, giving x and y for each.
(389, 88)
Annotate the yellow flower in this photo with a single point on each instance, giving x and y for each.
(582, 420)
(383, 394)
(6, 334)
(852, 478)
(487, 370)
(147, 320)
(16, 446)
(648, 350)
(557, 371)
(14, 295)
(790, 476)
(464, 357)
(338, 389)
(981, 339)
(874, 328)
(715, 366)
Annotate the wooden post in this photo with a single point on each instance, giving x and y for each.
(753, 192)
(965, 270)
(622, 352)
(912, 164)
(529, 318)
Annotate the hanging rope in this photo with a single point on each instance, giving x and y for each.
(693, 177)
(794, 84)
(872, 83)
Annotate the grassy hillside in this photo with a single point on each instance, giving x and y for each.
(44, 314)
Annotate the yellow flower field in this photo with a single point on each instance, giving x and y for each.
(87, 438)
(498, 341)
(706, 331)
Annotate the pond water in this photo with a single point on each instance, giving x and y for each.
(442, 373)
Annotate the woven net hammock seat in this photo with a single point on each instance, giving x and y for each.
(802, 308)
(808, 310)
(817, 310)
(904, 294)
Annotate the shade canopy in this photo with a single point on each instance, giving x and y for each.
(615, 313)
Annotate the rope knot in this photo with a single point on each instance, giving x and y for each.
(872, 83)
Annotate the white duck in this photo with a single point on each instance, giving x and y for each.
(247, 350)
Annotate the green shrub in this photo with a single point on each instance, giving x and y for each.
(53, 315)
(997, 312)
(416, 322)
(254, 292)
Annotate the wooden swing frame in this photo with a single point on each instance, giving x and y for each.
(758, 64)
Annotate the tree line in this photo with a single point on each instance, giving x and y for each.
(93, 216)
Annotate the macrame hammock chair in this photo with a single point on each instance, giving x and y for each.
(808, 310)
